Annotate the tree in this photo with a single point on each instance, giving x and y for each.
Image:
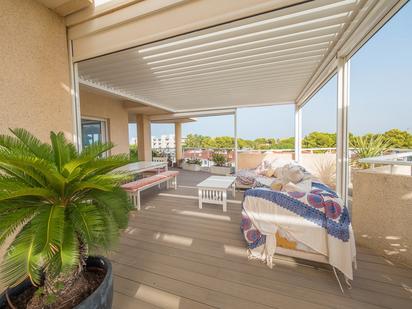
(245, 144)
(194, 140)
(224, 142)
(319, 140)
(286, 143)
(208, 142)
(398, 138)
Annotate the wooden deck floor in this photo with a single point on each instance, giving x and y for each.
(174, 255)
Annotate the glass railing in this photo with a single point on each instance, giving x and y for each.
(399, 158)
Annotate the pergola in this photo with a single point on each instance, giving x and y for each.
(203, 58)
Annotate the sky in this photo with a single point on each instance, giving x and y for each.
(380, 95)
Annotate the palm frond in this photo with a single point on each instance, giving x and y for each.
(99, 183)
(104, 165)
(11, 183)
(21, 261)
(88, 223)
(33, 144)
(67, 258)
(38, 169)
(13, 220)
(25, 192)
(26, 175)
(49, 222)
(61, 152)
(12, 143)
(89, 164)
(95, 150)
(115, 203)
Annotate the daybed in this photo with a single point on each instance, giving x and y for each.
(309, 223)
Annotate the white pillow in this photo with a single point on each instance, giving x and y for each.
(292, 173)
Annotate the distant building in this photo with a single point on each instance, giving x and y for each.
(163, 142)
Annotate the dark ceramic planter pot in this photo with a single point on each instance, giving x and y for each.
(101, 298)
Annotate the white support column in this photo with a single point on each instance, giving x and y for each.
(144, 141)
(178, 142)
(77, 125)
(236, 144)
(298, 133)
(342, 133)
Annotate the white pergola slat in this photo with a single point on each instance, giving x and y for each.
(278, 57)
(259, 60)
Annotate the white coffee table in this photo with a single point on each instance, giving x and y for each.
(214, 190)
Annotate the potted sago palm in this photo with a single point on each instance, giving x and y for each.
(58, 209)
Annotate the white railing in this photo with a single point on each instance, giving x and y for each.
(402, 158)
(304, 150)
(331, 149)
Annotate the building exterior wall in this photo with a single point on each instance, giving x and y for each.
(382, 213)
(164, 141)
(34, 67)
(96, 105)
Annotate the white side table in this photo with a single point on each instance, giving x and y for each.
(214, 190)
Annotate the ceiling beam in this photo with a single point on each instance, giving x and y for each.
(90, 41)
(66, 7)
(203, 113)
(123, 95)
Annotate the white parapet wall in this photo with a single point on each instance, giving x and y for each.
(321, 165)
(382, 212)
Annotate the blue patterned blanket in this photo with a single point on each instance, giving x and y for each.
(321, 206)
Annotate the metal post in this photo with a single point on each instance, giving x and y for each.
(236, 144)
(77, 125)
(342, 132)
(178, 142)
(298, 133)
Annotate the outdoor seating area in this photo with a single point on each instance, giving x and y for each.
(269, 205)
(175, 255)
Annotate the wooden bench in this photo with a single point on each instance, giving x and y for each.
(135, 187)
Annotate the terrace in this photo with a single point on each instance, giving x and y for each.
(174, 255)
(173, 61)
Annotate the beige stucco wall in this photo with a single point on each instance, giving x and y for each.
(97, 105)
(382, 213)
(251, 159)
(34, 69)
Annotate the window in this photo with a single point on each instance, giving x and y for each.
(93, 131)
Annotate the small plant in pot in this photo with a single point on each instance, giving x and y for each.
(192, 164)
(58, 208)
(221, 166)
